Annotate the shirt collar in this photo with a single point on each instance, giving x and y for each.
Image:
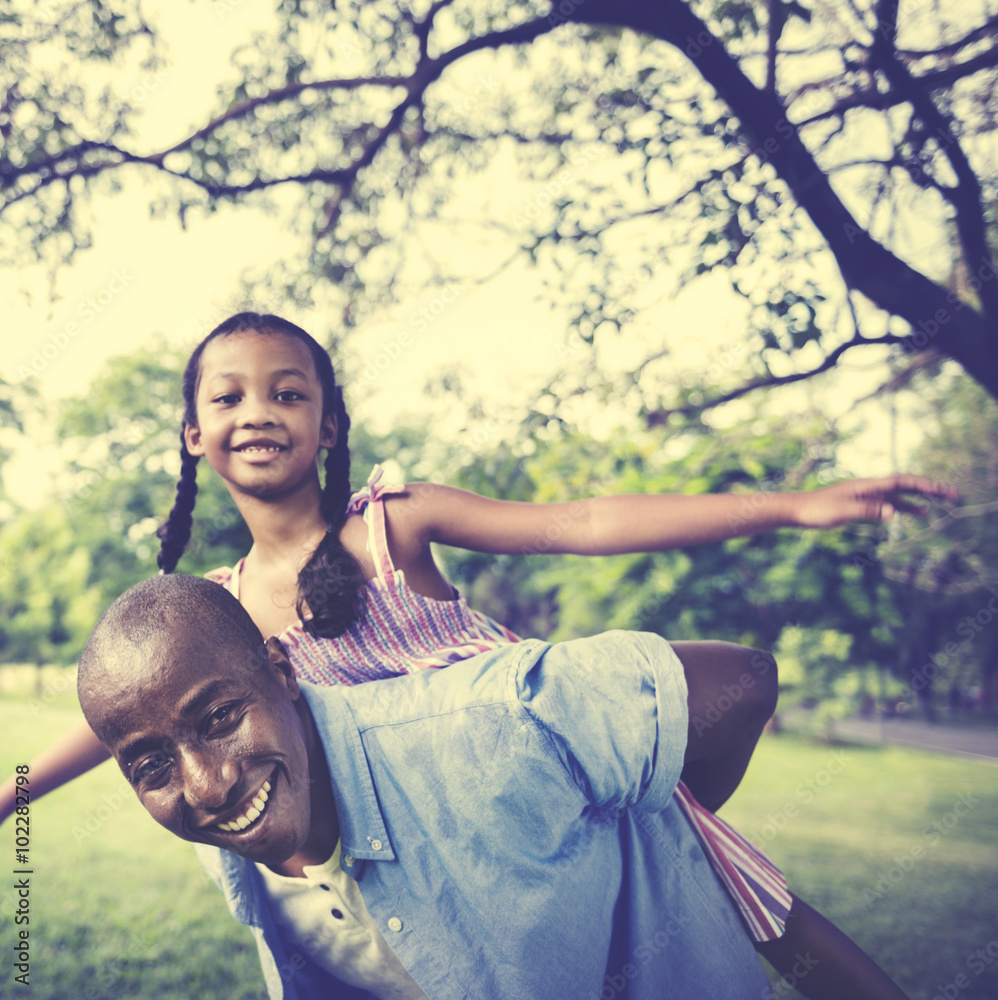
(363, 834)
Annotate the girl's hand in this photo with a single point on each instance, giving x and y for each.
(869, 500)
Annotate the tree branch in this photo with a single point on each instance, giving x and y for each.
(661, 416)
(880, 101)
(987, 30)
(966, 199)
(865, 264)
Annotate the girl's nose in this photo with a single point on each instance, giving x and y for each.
(256, 415)
(256, 412)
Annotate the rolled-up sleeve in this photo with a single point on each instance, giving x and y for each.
(613, 707)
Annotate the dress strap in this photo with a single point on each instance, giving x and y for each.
(227, 577)
(754, 883)
(371, 502)
(372, 491)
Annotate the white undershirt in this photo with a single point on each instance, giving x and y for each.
(324, 913)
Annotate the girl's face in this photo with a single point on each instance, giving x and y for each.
(259, 409)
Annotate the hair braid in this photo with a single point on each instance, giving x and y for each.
(329, 582)
(329, 585)
(336, 489)
(175, 533)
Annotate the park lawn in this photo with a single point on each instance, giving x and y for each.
(895, 846)
(120, 908)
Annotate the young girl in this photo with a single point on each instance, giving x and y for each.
(358, 598)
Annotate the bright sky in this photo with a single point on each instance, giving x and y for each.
(148, 277)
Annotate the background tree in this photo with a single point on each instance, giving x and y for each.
(831, 157)
(947, 568)
(48, 598)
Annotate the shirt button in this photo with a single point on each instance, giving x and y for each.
(337, 913)
(394, 924)
(376, 845)
(348, 861)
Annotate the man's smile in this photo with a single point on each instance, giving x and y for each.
(250, 813)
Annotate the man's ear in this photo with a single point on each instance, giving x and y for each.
(280, 667)
(192, 438)
(327, 432)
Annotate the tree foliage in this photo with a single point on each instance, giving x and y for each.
(62, 564)
(947, 567)
(834, 159)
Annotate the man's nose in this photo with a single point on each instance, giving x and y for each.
(209, 779)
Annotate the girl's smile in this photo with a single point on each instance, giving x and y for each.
(260, 414)
(261, 450)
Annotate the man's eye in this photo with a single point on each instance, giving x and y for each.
(148, 766)
(218, 717)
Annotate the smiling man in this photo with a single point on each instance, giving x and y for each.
(503, 829)
(499, 829)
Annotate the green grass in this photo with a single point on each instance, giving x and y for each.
(888, 850)
(119, 908)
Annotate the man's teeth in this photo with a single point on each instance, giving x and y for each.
(257, 806)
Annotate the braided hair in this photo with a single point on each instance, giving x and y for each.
(328, 584)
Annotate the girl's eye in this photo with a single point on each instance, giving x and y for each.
(288, 396)
(226, 398)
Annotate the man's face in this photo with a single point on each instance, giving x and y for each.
(212, 741)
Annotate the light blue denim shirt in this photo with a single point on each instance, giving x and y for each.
(510, 825)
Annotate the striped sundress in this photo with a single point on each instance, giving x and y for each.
(402, 631)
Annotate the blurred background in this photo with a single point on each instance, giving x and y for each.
(555, 251)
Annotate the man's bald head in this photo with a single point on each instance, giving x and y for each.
(159, 619)
(208, 723)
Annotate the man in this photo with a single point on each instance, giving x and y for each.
(500, 829)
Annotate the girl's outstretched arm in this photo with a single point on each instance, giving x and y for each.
(650, 522)
(73, 754)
